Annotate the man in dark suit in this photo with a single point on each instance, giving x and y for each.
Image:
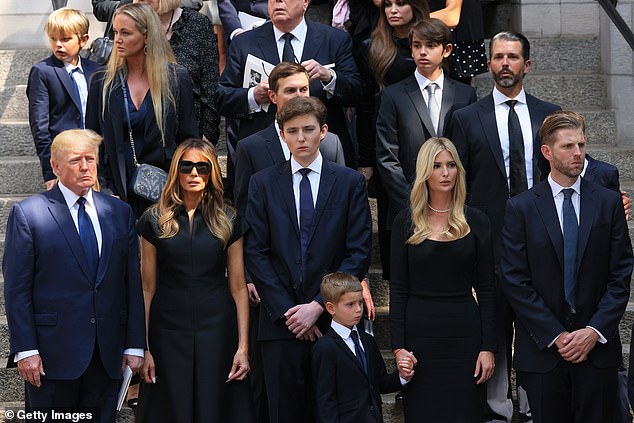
(566, 266)
(58, 85)
(72, 287)
(481, 135)
(325, 52)
(307, 217)
(406, 119)
(228, 11)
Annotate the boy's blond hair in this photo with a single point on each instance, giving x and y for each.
(67, 21)
(334, 285)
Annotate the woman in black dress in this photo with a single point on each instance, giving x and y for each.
(197, 358)
(441, 249)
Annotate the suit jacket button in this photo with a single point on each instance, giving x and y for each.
(92, 320)
(298, 261)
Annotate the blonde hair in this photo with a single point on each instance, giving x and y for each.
(419, 198)
(383, 49)
(67, 21)
(217, 216)
(74, 137)
(334, 285)
(158, 56)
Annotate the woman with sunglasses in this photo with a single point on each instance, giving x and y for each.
(197, 359)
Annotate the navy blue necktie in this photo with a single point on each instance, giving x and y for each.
(306, 208)
(517, 160)
(358, 351)
(81, 107)
(571, 232)
(88, 238)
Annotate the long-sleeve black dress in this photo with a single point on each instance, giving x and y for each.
(433, 314)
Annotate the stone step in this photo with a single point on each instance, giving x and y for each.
(126, 415)
(562, 55)
(15, 138)
(20, 175)
(621, 157)
(14, 103)
(569, 90)
(16, 64)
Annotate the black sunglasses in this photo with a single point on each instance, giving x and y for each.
(186, 167)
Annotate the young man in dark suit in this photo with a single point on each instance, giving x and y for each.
(566, 266)
(72, 287)
(348, 369)
(58, 85)
(306, 217)
(415, 109)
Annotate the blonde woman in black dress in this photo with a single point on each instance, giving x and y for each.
(441, 250)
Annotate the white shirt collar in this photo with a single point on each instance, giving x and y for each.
(341, 330)
(556, 188)
(298, 32)
(283, 145)
(69, 66)
(499, 98)
(71, 198)
(423, 82)
(585, 167)
(315, 166)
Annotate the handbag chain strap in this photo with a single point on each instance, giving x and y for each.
(127, 117)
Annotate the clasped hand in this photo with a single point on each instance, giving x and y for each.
(575, 346)
(301, 320)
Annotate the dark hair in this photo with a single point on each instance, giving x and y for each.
(561, 119)
(284, 70)
(433, 30)
(300, 106)
(512, 36)
(334, 285)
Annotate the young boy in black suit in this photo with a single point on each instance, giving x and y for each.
(348, 370)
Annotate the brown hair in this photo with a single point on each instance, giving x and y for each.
(432, 30)
(300, 106)
(561, 119)
(334, 285)
(284, 70)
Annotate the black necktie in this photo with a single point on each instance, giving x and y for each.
(288, 55)
(88, 238)
(306, 208)
(517, 161)
(571, 233)
(358, 351)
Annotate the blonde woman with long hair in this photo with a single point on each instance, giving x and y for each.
(197, 358)
(441, 251)
(142, 89)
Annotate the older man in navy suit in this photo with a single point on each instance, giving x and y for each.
(72, 287)
(566, 266)
(307, 217)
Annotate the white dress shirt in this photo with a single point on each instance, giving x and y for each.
(558, 196)
(285, 150)
(423, 82)
(502, 120)
(313, 177)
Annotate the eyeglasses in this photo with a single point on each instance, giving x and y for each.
(186, 167)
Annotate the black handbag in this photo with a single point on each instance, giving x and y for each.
(148, 180)
(101, 48)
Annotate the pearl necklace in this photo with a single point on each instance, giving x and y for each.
(436, 210)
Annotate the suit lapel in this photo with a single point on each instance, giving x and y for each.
(346, 350)
(272, 143)
(490, 129)
(59, 210)
(586, 217)
(312, 48)
(536, 123)
(103, 211)
(546, 207)
(326, 182)
(68, 85)
(413, 91)
(448, 95)
(268, 45)
(285, 184)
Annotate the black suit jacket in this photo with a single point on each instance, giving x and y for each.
(474, 132)
(344, 392)
(532, 272)
(324, 44)
(180, 124)
(53, 304)
(262, 150)
(403, 125)
(53, 105)
(339, 240)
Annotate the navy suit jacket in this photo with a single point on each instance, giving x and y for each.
(324, 44)
(262, 150)
(344, 392)
(532, 272)
(403, 124)
(474, 132)
(228, 11)
(339, 240)
(53, 305)
(53, 105)
(602, 173)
